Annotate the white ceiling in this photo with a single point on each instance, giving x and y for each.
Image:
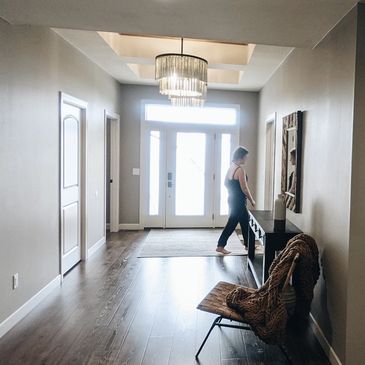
(292, 23)
(266, 23)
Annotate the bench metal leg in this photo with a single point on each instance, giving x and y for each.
(215, 322)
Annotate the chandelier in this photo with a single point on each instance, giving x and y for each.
(182, 77)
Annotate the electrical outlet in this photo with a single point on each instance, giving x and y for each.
(15, 281)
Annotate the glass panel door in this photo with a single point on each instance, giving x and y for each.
(189, 179)
(225, 143)
(154, 175)
(153, 167)
(190, 173)
(224, 165)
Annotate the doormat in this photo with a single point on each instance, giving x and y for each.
(188, 243)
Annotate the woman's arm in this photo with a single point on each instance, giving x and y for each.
(244, 186)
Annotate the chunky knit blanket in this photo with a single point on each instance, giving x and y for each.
(263, 308)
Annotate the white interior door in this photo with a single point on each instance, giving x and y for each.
(189, 178)
(70, 185)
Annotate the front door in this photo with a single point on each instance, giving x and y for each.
(183, 175)
(189, 188)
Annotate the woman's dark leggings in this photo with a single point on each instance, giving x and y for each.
(237, 213)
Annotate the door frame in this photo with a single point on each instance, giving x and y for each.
(144, 125)
(114, 168)
(82, 105)
(271, 119)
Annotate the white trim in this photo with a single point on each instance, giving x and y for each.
(28, 306)
(130, 226)
(71, 100)
(114, 169)
(96, 247)
(142, 164)
(327, 348)
(270, 119)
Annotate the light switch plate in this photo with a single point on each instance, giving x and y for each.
(135, 171)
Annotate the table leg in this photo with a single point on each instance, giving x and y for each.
(268, 258)
(251, 243)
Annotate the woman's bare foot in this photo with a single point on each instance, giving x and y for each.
(222, 250)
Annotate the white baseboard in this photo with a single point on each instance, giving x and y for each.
(28, 306)
(327, 348)
(96, 246)
(130, 226)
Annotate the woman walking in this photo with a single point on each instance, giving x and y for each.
(238, 193)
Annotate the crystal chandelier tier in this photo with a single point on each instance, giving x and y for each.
(186, 101)
(182, 76)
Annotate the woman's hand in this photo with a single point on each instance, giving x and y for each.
(253, 203)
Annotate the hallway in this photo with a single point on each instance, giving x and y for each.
(118, 309)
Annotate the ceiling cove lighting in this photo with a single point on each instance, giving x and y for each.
(182, 77)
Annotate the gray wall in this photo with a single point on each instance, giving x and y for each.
(355, 353)
(35, 65)
(131, 97)
(320, 82)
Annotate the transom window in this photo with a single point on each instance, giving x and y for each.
(209, 115)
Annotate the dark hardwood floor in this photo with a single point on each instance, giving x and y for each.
(120, 309)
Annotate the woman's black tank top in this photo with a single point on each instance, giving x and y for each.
(235, 192)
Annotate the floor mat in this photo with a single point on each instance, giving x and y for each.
(188, 243)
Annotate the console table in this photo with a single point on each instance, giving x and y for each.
(261, 228)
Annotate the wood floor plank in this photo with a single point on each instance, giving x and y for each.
(234, 362)
(100, 354)
(183, 350)
(211, 352)
(254, 349)
(134, 345)
(158, 351)
(232, 344)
